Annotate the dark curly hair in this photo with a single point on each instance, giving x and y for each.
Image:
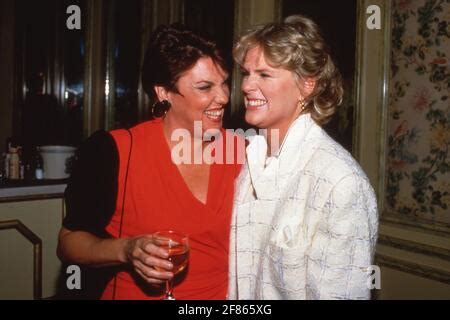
(172, 50)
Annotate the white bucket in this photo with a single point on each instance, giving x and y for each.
(57, 161)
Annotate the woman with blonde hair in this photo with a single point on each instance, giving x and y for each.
(304, 224)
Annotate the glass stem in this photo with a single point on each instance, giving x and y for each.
(169, 289)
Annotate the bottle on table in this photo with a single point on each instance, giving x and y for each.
(38, 166)
(14, 165)
(6, 157)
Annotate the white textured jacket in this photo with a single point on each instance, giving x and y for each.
(305, 221)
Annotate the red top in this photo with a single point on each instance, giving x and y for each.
(157, 198)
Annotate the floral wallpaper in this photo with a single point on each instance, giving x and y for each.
(418, 159)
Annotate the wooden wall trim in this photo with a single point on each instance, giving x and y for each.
(37, 252)
(415, 247)
(372, 96)
(94, 75)
(437, 228)
(413, 268)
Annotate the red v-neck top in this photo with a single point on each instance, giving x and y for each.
(157, 198)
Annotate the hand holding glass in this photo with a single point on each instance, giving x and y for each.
(177, 245)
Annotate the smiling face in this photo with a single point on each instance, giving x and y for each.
(202, 96)
(271, 94)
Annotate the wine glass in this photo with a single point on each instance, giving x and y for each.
(177, 244)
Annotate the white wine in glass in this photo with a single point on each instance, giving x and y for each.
(177, 245)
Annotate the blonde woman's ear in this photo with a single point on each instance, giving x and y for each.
(306, 87)
(309, 85)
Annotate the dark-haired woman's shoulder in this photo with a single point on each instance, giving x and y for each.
(91, 191)
(147, 128)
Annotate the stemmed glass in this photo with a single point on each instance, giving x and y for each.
(177, 244)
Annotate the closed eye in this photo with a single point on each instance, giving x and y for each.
(244, 73)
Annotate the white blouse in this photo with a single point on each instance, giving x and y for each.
(305, 221)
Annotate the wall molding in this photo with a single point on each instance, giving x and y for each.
(413, 268)
(436, 228)
(414, 247)
(37, 252)
(372, 97)
(94, 69)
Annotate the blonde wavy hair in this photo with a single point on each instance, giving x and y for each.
(297, 45)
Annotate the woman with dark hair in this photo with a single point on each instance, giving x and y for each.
(305, 219)
(127, 184)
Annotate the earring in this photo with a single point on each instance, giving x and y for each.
(160, 108)
(302, 105)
